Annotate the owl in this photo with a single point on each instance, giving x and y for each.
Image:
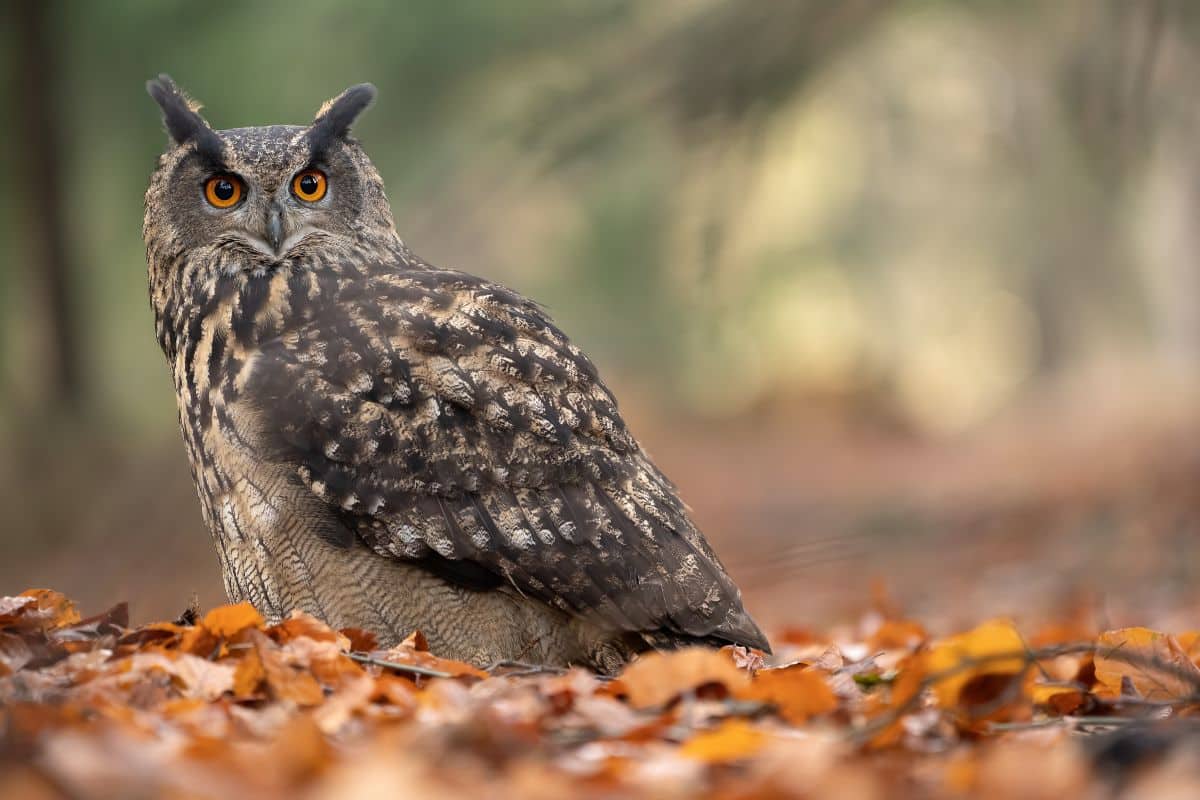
(393, 446)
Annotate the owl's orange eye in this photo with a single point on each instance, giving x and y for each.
(309, 185)
(223, 191)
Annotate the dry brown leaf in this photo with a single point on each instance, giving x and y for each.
(200, 641)
(396, 692)
(248, 675)
(300, 624)
(58, 610)
(903, 695)
(732, 740)
(225, 621)
(325, 659)
(15, 653)
(798, 692)
(195, 677)
(977, 653)
(654, 679)
(332, 715)
(286, 680)
(12, 608)
(238, 710)
(360, 640)
(1154, 663)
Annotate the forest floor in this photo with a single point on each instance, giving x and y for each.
(223, 705)
(1009, 616)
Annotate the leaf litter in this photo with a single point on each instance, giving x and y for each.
(223, 704)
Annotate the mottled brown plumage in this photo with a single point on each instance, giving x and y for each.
(394, 446)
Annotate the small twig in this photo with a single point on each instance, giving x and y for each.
(363, 658)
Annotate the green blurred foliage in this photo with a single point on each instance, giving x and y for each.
(918, 209)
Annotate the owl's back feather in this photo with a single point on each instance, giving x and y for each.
(445, 421)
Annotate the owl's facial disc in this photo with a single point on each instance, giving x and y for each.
(251, 199)
(267, 197)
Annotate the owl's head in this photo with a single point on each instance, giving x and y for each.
(255, 199)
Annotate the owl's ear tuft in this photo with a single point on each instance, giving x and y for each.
(182, 119)
(336, 116)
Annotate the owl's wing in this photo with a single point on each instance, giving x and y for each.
(446, 419)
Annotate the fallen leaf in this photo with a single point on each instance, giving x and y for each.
(360, 640)
(976, 653)
(300, 624)
(58, 609)
(287, 680)
(15, 653)
(901, 696)
(1062, 700)
(332, 715)
(225, 621)
(196, 677)
(415, 641)
(732, 740)
(11, 608)
(1154, 663)
(656, 678)
(248, 675)
(798, 692)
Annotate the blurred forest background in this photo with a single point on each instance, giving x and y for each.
(895, 291)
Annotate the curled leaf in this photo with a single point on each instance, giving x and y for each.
(657, 678)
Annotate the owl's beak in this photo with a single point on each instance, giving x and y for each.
(274, 227)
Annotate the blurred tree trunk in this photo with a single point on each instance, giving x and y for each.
(33, 66)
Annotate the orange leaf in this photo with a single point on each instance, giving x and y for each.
(290, 682)
(60, 610)
(286, 678)
(199, 641)
(911, 673)
(248, 675)
(656, 678)
(732, 740)
(1059, 699)
(301, 624)
(798, 692)
(1190, 642)
(396, 692)
(416, 641)
(983, 645)
(227, 620)
(360, 640)
(1155, 664)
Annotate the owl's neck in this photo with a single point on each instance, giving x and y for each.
(211, 321)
